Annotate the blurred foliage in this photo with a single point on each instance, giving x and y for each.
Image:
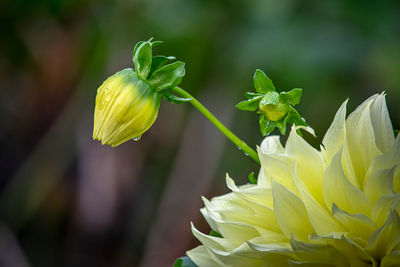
(55, 53)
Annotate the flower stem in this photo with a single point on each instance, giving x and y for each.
(231, 136)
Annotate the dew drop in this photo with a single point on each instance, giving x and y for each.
(136, 138)
(239, 148)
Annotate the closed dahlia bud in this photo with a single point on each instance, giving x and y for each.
(126, 107)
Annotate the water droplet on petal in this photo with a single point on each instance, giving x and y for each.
(136, 138)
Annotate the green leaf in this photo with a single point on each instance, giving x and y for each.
(167, 76)
(293, 96)
(136, 48)
(281, 125)
(142, 58)
(175, 99)
(396, 132)
(251, 95)
(215, 234)
(270, 98)
(266, 126)
(293, 117)
(252, 179)
(184, 262)
(155, 43)
(262, 83)
(248, 105)
(158, 62)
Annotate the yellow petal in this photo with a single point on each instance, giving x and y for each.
(275, 162)
(273, 254)
(383, 206)
(316, 253)
(361, 138)
(388, 160)
(211, 241)
(240, 256)
(391, 260)
(258, 194)
(379, 183)
(302, 154)
(386, 238)
(353, 252)
(201, 257)
(320, 218)
(357, 225)
(337, 189)
(381, 123)
(333, 139)
(290, 213)
(310, 264)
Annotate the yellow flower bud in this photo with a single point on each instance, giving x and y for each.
(275, 112)
(126, 107)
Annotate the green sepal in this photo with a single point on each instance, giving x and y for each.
(155, 43)
(251, 95)
(270, 98)
(158, 62)
(249, 105)
(252, 178)
(174, 99)
(266, 126)
(142, 57)
(136, 48)
(168, 76)
(262, 83)
(215, 234)
(293, 117)
(281, 125)
(184, 262)
(293, 96)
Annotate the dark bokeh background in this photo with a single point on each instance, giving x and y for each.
(67, 201)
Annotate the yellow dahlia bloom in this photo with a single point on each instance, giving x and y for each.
(337, 206)
(126, 107)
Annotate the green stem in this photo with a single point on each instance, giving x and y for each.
(231, 136)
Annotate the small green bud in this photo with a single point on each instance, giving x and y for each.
(276, 109)
(274, 112)
(126, 107)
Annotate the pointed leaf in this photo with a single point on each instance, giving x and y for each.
(155, 43)
(142, 58)
(281, 125)
(168, 76)
(262, 83)
(293, 96)
(293, 117)
(158, 62)
(266, 126)
(136, 48)
(252, 179)
(251, 95)
(175, 99)
(248, 105)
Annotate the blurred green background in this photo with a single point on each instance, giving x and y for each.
(67, 201)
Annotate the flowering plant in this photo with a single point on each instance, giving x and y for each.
(337, 206)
